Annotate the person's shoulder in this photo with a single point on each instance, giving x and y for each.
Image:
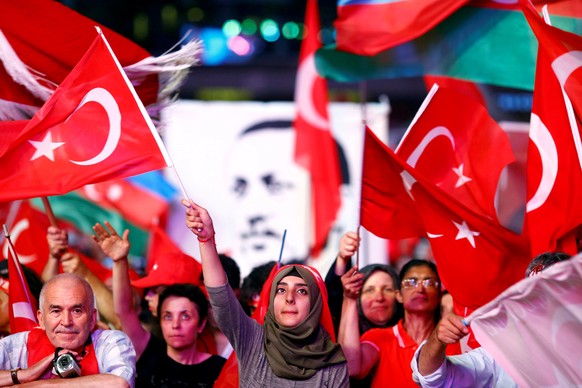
(378, 333)
(106, 336)
(20, 337)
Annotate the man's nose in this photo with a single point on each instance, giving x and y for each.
(66, 319)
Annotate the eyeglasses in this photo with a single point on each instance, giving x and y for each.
(414, 283)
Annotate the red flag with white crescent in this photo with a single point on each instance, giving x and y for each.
(315, 148)
(93, 128)
(22, 304)
(554, 165)
(459, 147)
(477, 257)
(28, 227)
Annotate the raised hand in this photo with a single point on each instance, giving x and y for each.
(72, 263)
(451, 329)
(113, 245)
(198, 221)
(352, 282)
(349, 244)
(58, 241)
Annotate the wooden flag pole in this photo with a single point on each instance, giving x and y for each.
(49, 212)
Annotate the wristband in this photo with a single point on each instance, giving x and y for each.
(208, 239)
(14, 376)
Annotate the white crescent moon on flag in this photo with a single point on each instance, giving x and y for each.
(107, 101)
(544, 142)
(306, 76)
(564, 66)
(430, 136)
(15, 232)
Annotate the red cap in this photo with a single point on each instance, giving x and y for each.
(171, 269)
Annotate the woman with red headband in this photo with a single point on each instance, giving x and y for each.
(294, 347)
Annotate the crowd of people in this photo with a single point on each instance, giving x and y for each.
(178, 325)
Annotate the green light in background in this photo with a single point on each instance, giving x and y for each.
(231, 28)
(270, 30)
(290, 30)
(169, 16)
(249, 27)
(141, 27)
(195, 14)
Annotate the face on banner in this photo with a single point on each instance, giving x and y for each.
(269, 193)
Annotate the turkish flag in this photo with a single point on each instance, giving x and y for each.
(533, 328)
(477, 258)
(28, 228)
(459, 147)
(386, 208)
(22, 304)
(554, 166)
(92, 129)
(315, 148)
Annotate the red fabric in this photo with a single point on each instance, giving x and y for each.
(22, 304)
(167, 264)
(315, 148)
(396, 349)
(386, 209)
(477, 258)
(554, 167)
(452, 144)
(369, 27)
(468, 88)
(39, 347)
(51, 38)
(27, 231)
(107, 135)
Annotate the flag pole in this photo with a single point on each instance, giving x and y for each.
(419, 113)
(49, 212)
(146, 116)
(281, 251)
(14, 256)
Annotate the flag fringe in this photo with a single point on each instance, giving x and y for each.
(10, 110)
(171, 67)
(21, 73)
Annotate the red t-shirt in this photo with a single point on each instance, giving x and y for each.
(396, 350)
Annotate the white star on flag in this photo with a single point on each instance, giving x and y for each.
(45, 147)
(462, 178)
(465, 232)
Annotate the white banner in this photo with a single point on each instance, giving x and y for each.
(234, 162)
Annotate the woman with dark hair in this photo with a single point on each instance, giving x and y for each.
(388, 351)
(294, 347)
(182, 311)
(377, 305)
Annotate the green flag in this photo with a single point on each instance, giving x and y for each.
(83, 214)
(485, 45)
